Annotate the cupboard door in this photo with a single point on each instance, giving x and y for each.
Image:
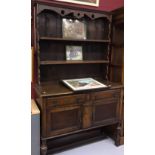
(105, 111)
(106, 107)
(61, 120)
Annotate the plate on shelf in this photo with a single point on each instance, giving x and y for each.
(83, 84)
(73, 29)
(74, 53)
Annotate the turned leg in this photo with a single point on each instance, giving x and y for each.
(118, 135)
(120, 126)
(43, 147)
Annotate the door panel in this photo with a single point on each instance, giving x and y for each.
(105, 106)
(63, 119)
(104, 111)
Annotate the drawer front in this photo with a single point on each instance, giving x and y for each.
(65, 100)
(63, 120)
(110, 94)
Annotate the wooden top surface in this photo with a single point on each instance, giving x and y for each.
(34, 108)
(52, 89)
(58, 88)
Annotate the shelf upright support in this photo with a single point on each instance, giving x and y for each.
(109, 48)
(38, 48)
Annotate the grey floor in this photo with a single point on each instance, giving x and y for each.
(104, 147)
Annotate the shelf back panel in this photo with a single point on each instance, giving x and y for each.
(56, 50)
(50, 25)
(59, 72)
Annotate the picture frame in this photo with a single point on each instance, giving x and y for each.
(83, 84)
(83, 2)
(74, 53)
(73, 29)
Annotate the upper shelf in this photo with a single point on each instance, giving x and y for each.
(74, 40)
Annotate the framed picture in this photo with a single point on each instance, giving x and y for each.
(74, 53)
(73, 29)
(83, 84)
(83, 2)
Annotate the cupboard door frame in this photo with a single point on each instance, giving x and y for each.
(108, 98)
(56, 110)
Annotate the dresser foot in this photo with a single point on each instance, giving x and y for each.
(43, 147)
(118, 139)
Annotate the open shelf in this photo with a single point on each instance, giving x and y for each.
(74, 40)
(74, 62)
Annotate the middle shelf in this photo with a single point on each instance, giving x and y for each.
(52, 62)
(75, 40)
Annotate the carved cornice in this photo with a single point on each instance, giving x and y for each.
(76, 13)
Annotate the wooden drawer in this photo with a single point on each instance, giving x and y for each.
(65, 100)
(110, 94)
